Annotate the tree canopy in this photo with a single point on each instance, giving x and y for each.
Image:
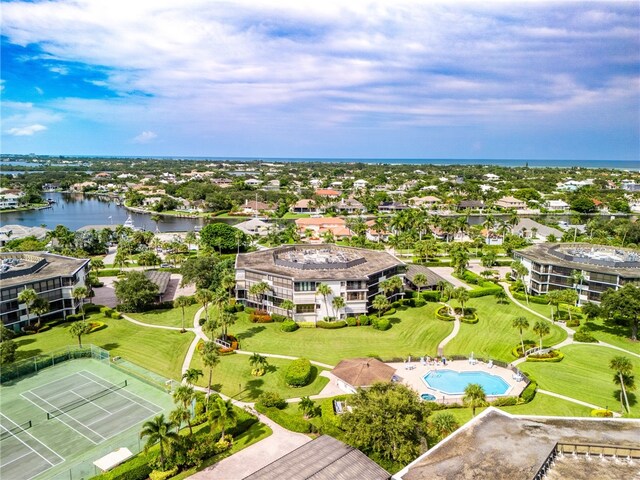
(623, 305)
(222, 237)
(135, 292)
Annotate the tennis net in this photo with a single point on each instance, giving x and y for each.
(84, 400)
(12, 432)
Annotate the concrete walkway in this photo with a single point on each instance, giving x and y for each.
(573, 400)
(150, 325)
(451, 336)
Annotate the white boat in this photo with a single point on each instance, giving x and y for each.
(129, 223)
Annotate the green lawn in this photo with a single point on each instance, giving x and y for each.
(171, 317)
(415, 331)
(161, 351)
(232, 376)
(493, 336)
(584, 374)
(610, 332)
(293, 216)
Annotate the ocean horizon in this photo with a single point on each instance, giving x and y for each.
(501, 162)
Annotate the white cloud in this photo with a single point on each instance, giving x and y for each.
(26, 131)
(39, 90)
(145, 137)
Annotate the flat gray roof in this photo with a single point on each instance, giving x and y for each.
(559, 254)
(499, 446)
(359, 263)
(432, 277)
(324, 458)
(46, 265)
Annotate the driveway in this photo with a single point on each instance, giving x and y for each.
(446, 273)
(107, 295)
(258, 455)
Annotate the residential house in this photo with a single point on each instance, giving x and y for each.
(491, 177)
(534, 231)
(17, 232)
(350, 206)
(391, 207)
(254, 207)
(306, 205)
(318, 226)
(253, 182)
(255, 226)
(470, 205)
(428, 201)
(557, 205)
(511, 203)
(630, 186)
(373, 234)
(360, 184)
(10, 198)
(82, 186)
(328, 193)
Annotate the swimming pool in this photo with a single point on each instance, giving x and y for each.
(454, 383)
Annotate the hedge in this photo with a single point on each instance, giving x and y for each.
(299, 373)
(505, 401)
(289, 326)
(430, 296)
(160, 475)
(583, 335)
(574, 322)
(351, 321)
(390, 311)
(484, 291)
(95, 326)
(529, 393)
(271, 400)
(306, 324)
(444, 316)
(331, 325)
(601, 412)
(557, 357)
(364, 320)
(278, 318)
(109, 272)
(473, 320)
(290, 422)
(91, 308)
(527, 345)
(135, 469)
(539, 299)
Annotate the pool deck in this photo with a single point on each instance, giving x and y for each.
(411, 374)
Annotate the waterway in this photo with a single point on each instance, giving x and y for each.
(75, 210)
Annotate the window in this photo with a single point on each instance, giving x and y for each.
(306, 308)
(305, 286)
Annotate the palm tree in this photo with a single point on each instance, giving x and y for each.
(190, 238)
(182, 302)
(420, 280)
(324, 290)
(210, 358)
(443, 424)
(221, 412)
(192, 375)
(97, 265)
(79, 294)
(258, 290)
(226, 319)
(259, 363)
(380, 303)
(78, 329)
(622, 366)
(27, 296)
(474, 396)
(288, 305)
(204, 297)
(448, 292)
(307, 407)
(184, 396)
(541, 328)
(338, 304)
(501, 296)
(578, 278)
(521, 271)
(40, 307)
(180, 415)
(462, 295)
(521, 323)
(159, 431)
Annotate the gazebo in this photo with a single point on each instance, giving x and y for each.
(357, 373)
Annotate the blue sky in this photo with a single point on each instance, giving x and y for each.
(277, 78)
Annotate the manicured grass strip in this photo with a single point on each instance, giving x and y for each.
(233, 377)
(584, 374)
(493, 336)
(549, 406)
(610, 332)
(161, 351)
(171, 317)
(415, 331)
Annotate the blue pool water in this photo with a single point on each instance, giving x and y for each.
(427, 397)
(454, 383)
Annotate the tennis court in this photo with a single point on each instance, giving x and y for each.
(90, 406)
(21, 454)
(55, 423)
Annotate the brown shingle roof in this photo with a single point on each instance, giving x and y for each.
(363, 372)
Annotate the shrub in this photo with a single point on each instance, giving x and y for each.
(290, 422)
(74, 317)
(381, 324)
(116, 315)
(95, 326)
(505, 401)
(443, 314)
(352, 321)
(600, 412)
(584, 335)
(109, 272)
(396, 304)
(289, 326)
(271, 400)
(408, 302)
(472, 319)
(539, 299)
(299, 373)
(364, 320)
(91, 308)
(573, 323)
(249, 310)
(552, 356)
(260, 316)
(135, 469)
(391, 311)
(306, 324)
(159, 475)
(278, 318)
(485, 291)
(430, 296)
(331, 325)
(106, 311)
(517, 350)
(419, 302)
(529, 393)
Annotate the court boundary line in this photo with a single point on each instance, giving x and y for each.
(124, 396)
(55, 381)
(33, 450)
(60, 420)
(89, 401)
(61, 393)
(129, 405)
